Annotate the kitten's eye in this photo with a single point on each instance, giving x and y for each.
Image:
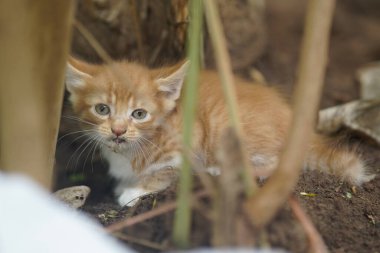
(139, 114)
(102, 109)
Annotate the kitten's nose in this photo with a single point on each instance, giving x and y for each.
(118, 131)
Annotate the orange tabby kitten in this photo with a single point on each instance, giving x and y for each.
(135, 112)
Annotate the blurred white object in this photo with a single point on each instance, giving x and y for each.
(32, 221)
(361, 115)
(232, 250)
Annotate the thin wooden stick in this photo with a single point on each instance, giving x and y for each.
(150, 214)
(263, 205)
(137, 30)
(228, 189)
(226, 77)
(317, 244)
(93, 42)
(140, 241)
(142, 217)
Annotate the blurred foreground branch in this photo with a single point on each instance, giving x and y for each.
(34, 50)
(182, 222)
(226, 78)
(266, 202)
(317, 244)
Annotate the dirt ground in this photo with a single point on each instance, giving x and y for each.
(348, 218)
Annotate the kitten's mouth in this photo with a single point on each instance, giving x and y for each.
(119, 140)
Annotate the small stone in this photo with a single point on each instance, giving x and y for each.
(74, 196)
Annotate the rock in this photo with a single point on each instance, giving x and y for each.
(369, 78)
(360, 115)
(74, 196)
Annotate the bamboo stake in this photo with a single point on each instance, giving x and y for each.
(264, 205)
(34, 42)
(99, 49)
(182, 222)
(226, 77)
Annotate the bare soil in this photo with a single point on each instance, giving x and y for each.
(347, 217)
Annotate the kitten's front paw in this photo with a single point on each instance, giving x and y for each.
(130, 196)
(214, 171)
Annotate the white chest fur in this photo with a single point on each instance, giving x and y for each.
(120, 166)
(128, 188)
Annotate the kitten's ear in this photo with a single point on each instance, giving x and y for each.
(171, 85)
(76, 74)
(74, 79)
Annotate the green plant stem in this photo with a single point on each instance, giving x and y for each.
(226, 77)
(182, 222)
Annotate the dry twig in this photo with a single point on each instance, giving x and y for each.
(137, 29)
(316, 242)
(226, 78)
(149, 215)
(228, 189)
(93, 42)
(140, 241)
(263, 205)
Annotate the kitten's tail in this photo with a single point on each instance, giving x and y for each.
(329, 156)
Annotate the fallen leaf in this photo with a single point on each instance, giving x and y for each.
(308, 194)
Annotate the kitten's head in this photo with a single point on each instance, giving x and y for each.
(122, 103)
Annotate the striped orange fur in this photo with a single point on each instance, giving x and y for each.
(145, 154)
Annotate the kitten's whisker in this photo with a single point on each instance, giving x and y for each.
(74, 153)
(138, 150)
(81, 150)
(100, 142)
(92, 150)
(97, 142)
(143, 146)
(150, 142)
(142, 150)
(84, 149)
(135, 150)
(75, 132)
(135, 153)
(93, 143)
(79, 120)
(191, 152)
(86, 135)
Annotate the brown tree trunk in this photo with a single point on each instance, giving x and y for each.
(34, 41)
